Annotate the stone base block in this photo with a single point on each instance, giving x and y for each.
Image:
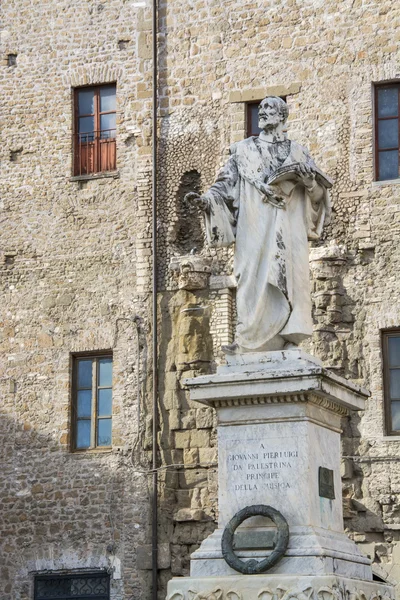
(311, 551)
(277, 587)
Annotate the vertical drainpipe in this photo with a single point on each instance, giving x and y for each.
(154, 311)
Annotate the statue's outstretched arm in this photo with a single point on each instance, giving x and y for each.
(224, 188)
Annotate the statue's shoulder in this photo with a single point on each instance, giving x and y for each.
(238, 147)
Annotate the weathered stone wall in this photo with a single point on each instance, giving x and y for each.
(74, 271)
(76, 263)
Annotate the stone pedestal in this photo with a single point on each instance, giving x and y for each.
(279, 445)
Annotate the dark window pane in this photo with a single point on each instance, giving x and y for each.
(86, 102)
(394, 351)
(108, 125)
(86, 124)
(105, 402)
(105, 372)
(83, 434)
(104, 432)
(388, 102)
(85, 373)
(394, 378)
(84, 403)
(254, 128)
(388, 133)
(388, 165)
(396, 416)
(107, 98)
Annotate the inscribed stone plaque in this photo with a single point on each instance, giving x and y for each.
(259, 465)
(326, 485)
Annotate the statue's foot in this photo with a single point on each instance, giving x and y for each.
(230, 348)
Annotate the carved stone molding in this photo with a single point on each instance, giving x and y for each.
(214, 594)
(339, 591)
(283, 399)
(191, 272)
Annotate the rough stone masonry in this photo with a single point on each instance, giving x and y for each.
(76, 256)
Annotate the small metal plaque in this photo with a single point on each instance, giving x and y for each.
(326, 485)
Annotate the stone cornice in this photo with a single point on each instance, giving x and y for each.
(283, 399)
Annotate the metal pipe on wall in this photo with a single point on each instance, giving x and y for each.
(154, 535)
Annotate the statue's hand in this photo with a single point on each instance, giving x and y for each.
(265, 189)
(307, 175)
(270, 195)
(198, 201)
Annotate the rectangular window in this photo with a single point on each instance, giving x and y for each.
(95, 130)
(92, 402)
(252, 128)
(387, 131)
(94, 586)
(391, 376)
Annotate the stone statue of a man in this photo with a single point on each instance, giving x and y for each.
(270, 199)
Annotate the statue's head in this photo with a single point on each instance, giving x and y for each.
(272, 112)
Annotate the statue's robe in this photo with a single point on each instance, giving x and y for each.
(271, 255)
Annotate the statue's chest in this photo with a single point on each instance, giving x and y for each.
(273, 156)
(258, 160)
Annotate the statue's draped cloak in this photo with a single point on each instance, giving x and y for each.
(271, 255)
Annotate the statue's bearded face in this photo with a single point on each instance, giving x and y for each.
(269, 115)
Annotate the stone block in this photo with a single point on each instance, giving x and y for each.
(200, 438)
(208, 456)
(191, 456)
(191, 478)
(171, 399)
(144, 557)
(346, 468)
(188, 419)
(174, 419)
(368, 550)
(252, 94)
(182, 439)
(144, 47)
(204, 418)
(190, 514)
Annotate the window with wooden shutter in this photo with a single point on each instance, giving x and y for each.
(95, 130)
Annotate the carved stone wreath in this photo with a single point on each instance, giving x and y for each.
(254, 567)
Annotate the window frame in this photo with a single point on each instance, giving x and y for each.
(386, 334)
(377, 87)
(95, 357)
(98, 140)
(61, 576)
(249, 106)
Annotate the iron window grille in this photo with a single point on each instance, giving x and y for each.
(391, 379)
(92, 402)
(95, 130)
(387, 124)
(93, 586)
